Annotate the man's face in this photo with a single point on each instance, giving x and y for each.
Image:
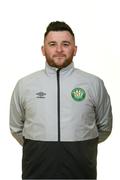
(59, 48)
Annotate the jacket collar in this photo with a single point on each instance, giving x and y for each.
(63, 71)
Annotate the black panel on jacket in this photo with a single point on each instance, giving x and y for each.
(59, 160)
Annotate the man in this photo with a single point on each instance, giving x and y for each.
(60, 114)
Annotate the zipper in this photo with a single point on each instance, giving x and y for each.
(58, 102)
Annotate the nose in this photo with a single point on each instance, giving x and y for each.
(59, 48)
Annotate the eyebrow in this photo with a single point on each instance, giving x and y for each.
(62, 42)
(51, 42)
(68, 42)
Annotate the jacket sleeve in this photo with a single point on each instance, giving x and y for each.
(17, 114)
(103, 112)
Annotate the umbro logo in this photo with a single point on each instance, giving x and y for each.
(40, 95)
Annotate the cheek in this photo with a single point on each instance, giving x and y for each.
(49, 52)
(70, 52)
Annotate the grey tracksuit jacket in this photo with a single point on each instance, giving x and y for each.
(60, 105)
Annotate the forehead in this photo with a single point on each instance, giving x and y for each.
(59, 36)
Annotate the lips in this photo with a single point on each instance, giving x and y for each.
(59, 56)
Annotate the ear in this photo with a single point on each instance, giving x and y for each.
(43, 51)
(75, 50)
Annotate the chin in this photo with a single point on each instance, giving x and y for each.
(61, 65)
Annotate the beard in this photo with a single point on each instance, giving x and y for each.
(59, 61)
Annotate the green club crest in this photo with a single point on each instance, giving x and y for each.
(78, 94)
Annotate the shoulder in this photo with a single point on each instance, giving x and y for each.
(31, 77)
(27, 80)
(88, 77)
(94, 84)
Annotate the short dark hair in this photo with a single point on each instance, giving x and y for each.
(58, 26)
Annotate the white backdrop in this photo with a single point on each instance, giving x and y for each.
(96, 24)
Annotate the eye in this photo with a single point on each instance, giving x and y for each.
(52, 44)
(66, 44)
